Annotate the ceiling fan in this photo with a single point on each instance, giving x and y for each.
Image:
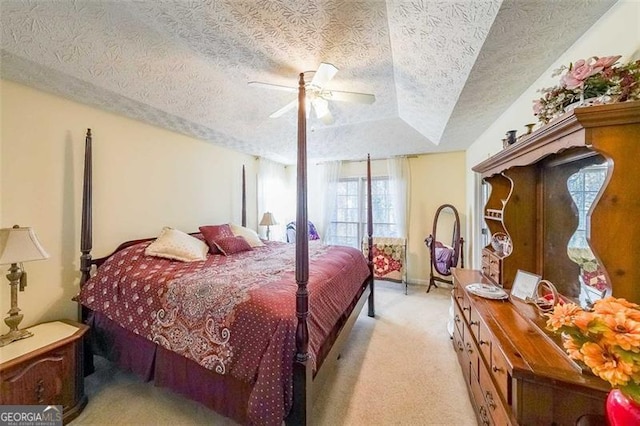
(317, 94)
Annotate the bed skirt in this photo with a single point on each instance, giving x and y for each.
(133, 353)
(223, 394)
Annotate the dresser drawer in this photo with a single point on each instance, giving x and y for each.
(466, 308)
(463, 359)
(484, 341)
(491, 266)
(458, 294)
(494, 401)
(474, 324)
(485, 262)
(500, 372)
(482, 410)
(458, 319)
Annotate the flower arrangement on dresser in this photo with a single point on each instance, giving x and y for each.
(591, 81)
(607, 340)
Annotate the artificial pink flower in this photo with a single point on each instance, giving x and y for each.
(537, 106)
(576, 76)
(607, 61)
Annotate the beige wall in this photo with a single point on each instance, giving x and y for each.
(436, 179)
(616, 33)
(144, 178)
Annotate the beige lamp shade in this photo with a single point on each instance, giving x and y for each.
(20, 245)
(268, 219)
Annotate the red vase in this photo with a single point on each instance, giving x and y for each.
(622, 410)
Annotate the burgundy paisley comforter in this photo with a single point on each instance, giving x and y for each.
(231, 314)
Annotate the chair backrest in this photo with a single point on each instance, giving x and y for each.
(291, 232)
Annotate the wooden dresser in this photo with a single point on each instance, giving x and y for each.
(515, 372)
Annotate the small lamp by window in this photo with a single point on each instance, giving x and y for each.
(17, 245)
(268, 220)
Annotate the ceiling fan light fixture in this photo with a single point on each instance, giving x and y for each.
(317, 96)
(321, 106)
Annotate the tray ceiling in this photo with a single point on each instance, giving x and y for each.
(441, 71)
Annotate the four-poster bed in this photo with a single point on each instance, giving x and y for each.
(311, 340)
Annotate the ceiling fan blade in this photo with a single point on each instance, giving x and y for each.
(284, 109)
(361, 98)
(324, 74)
(273, 86)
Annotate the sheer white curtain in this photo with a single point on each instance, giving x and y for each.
(331, 176)
(273, 196)
(399, 178)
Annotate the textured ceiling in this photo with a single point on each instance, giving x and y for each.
(441, 71)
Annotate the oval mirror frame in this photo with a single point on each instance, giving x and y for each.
(456, 247)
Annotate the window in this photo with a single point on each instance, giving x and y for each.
(584, 187)
(349, 224)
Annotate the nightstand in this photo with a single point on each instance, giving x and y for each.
(46, 369)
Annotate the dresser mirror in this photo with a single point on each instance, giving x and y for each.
(572, 183)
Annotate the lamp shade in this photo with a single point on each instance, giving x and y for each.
(20, 245)
(268, 219)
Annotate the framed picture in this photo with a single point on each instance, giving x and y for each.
(525, 285)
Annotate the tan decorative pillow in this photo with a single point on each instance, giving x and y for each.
(177, 245)
(248, 234)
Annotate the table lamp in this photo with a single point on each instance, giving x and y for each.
(268, 220)
(17, 245)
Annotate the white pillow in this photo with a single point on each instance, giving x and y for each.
(248, 234)
(177, 245)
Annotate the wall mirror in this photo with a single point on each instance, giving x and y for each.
(445, 244)
(571, 186)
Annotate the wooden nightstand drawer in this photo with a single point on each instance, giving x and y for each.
(45, 369)
(42, 380)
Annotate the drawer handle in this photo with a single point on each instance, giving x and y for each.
(474, 323)
(496, 369)
(493, 262)
(457, 318)
(490, 402)
(40, 391)
(466, 308)
(459, 297)
(469, 348)
(460, 347)
(484, 416)
(484, 342)
(492, 275)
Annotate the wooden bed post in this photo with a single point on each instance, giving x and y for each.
(302, 374)
(85, 233)
(244, 198)
(86, 241)
(301, 409)
(370, 305)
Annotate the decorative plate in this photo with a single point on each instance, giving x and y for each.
(488, 291)
(501, 244)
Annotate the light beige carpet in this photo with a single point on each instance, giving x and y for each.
(397, 369)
